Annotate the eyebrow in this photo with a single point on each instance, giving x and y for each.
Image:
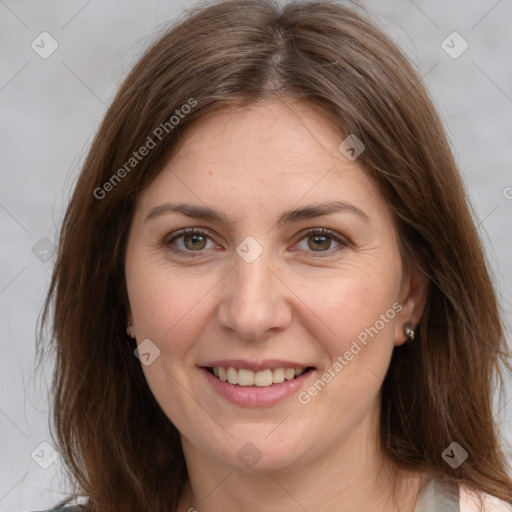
(288, 217)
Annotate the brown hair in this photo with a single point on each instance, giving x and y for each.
(121, 450)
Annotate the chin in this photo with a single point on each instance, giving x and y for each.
(259, 453)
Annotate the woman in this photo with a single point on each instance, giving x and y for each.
(269, 291)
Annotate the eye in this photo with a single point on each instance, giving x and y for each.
(191, 240)
(194, 240)
(320, 240)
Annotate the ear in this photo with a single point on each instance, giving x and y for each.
(413, 298)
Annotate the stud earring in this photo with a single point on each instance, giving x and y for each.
(132, 334)
(409, 331)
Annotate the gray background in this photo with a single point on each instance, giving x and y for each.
(50, 108)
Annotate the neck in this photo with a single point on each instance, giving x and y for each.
(356, 477)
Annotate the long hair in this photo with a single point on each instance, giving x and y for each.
(119, 447)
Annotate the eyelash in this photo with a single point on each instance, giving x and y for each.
(205, 233)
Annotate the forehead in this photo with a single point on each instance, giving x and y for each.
(264, 157)
(266, 138)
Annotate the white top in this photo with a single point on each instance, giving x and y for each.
(490, 503)
(449, 497)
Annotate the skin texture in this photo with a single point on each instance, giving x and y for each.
(297, 301)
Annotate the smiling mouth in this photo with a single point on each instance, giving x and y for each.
(262, 378)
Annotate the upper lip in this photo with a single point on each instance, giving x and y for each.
(255, 365)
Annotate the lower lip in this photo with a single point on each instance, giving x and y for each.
(256, 396)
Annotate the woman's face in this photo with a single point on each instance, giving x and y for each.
(256, 287)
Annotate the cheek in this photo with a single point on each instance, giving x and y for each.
(355, 326)
(166, 303)
(168, 308)
(360, 307)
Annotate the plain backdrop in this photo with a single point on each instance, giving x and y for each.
(50, 108)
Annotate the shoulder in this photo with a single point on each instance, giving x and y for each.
(469, 502)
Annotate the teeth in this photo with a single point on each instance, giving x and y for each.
(263, 378)
(289, 373)
(232, 376)
(245, 377)
(278, 375)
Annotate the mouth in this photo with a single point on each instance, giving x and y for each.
(256, 383)
(264, 378)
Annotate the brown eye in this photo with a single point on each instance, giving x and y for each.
(194, 242)
(188, 241)
(319, 242)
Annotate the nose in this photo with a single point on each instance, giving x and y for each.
(255, 301)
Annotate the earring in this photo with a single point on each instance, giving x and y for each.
(409, 331)
(132, 334)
